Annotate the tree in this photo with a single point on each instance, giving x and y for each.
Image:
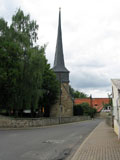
(25, 28)
(25, 75)
(84, 109)
(77, 94)
(9, 63)
(50, 87)
(32, 62)
(71, 91)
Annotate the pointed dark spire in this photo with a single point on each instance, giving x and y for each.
(59, 65)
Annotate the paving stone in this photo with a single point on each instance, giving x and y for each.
(101, 144)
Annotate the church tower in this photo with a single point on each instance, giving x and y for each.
(59, 66)
(64, 106)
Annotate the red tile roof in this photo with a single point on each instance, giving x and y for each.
(93, 102)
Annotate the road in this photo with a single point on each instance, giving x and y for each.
(47, 143)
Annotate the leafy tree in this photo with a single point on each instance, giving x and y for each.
(26, 29)
(9, 63)
(25, 75)
(84, 109)
(31, 63)
(77, 94)
(71, 91)
(51, 90)
(77, 110)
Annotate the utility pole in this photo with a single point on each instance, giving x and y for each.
(60, 105)
(91, 104)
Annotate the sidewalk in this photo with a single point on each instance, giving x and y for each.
(101, 144)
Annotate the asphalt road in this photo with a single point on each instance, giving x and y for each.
(47, 143)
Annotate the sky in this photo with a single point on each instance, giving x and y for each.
(91, 38)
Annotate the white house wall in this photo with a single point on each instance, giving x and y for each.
(115, 111)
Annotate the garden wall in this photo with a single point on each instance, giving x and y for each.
(38, 122)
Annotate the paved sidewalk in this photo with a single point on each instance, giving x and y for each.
(101, 144)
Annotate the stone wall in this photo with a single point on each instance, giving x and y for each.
(104, 114)
(38, 122)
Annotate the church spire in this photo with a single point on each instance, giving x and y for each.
(59, 65)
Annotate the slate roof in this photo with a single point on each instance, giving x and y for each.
(59, 65)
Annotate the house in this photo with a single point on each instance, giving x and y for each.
(97, 103)
(116, 105)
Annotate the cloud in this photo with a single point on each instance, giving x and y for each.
(8, 8)
(86, 78)
(98, 92)
(91, 37)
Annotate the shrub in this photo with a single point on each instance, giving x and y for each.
(84, 109)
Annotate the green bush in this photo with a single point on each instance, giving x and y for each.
(84, 109)
(78, 110)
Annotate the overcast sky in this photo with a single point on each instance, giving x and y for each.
(91, 38)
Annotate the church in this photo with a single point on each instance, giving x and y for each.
(64, 105)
